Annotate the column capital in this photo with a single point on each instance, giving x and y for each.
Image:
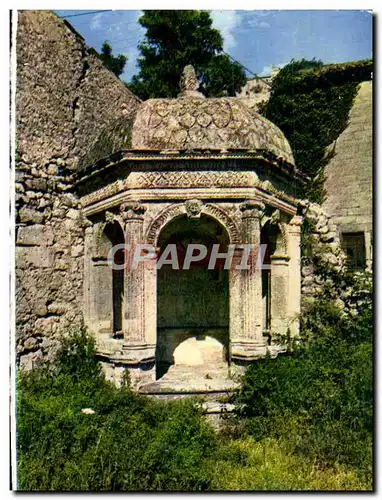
(297, 220)
(87, 225)
(109, 217)
(251, 208)
(132, 211)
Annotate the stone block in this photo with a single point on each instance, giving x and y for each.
(30, 215)
(77, 251)
(57, 308)
(38, 257)
(40, 309)
(28, 361)
(30, 343)
(73, 214)
(36, 235)
(45, 326)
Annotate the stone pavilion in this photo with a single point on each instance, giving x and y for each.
(197, 170)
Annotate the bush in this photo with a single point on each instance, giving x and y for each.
(318, 399)
(130, 443)
(305, 421)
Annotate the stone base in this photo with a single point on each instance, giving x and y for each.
(142, 373)
(245, 353)
(243, 350)
(124, 352)
(192, 380)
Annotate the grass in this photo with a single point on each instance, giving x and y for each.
(265, 466)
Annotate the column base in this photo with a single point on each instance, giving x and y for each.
(248, 350)
(119, 350)
(244, 352)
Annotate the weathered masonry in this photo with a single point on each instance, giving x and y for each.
(197, 171)
(349, 182)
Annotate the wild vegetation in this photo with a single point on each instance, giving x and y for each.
(304, 421)
(310, 103)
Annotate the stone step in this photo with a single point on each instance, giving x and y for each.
(181, 379)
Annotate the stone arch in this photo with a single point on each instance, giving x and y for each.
(108, 292)
(192, 303)
(179, 209)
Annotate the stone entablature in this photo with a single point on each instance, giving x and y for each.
(152, 176)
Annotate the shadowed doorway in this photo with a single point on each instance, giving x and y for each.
(193, 306)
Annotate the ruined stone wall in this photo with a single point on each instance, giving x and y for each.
(349, 175)
(64, 96)
(321, 249)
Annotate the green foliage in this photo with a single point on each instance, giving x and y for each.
(113, 63)
(130, 443)
(250, 465)
(174, 39)
(311, 104)
(308, 422)
(318, 401)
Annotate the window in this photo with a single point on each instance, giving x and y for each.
(354, 247)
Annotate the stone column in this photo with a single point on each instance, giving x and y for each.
(368, 250)
(279, 294)
(250, 344)
(88, 274)
(133, 316)
(235, 303)
(103, 300)
(294, 251)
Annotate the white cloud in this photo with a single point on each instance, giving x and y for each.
(95, 22)
(267, 70)
(256, 19)
(227, 21)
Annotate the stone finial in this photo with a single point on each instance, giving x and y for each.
(189, 83)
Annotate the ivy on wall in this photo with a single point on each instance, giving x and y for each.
(310, 103)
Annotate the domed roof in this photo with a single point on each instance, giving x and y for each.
(193, 122)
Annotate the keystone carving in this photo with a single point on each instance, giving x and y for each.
(193, 209)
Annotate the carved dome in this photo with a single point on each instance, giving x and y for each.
(193, 122)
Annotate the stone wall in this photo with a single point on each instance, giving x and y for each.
(321, 249)
(349, 175)
(64, 96)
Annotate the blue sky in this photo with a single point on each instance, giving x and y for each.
(258, 39)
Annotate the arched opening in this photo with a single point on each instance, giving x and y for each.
(109, 286)
(268, 237)
(193, 304)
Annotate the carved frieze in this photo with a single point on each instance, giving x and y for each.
(157, 180)
(195, 179)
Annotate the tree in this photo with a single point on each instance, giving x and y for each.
(174, 39)
(114, 64)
